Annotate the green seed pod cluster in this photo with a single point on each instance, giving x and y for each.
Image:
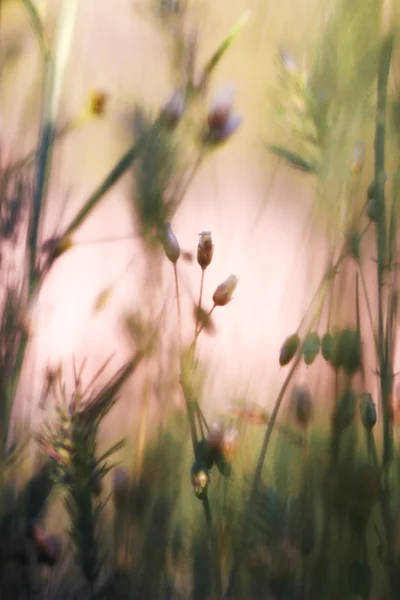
(303, 406)
(311, 347)
(344, 412)
(350, 350)
(200, 478)
(367, 411)
(289, 349)
(342, 349)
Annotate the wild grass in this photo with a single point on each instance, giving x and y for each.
(294, 504)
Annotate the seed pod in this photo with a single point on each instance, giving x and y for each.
(337, 358)
(367, 411)
(171, 245)
(303, 405)
(343, 414)
(173, 110)
(326, 346)
(289, 349)
(205, 249)
(224, 292)
(205, 453)
(311, 347)
(200, 479)
(349, 348)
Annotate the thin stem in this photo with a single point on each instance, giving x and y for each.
(198, 310)
(264, 448)
(369, 310)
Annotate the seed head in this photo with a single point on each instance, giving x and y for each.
(289, 349)
(171, 245)
(223, 293)
(221, 121)
(173, 110)
(205, 249)
(368, 411)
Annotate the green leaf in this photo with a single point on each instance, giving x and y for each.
(223, 47)
(294, 159)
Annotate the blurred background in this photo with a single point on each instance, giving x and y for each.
(261, 213)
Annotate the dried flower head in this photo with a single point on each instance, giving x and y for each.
(172, 112)
(171, 245)
(222, 123)
(224, 292)
(205, 249)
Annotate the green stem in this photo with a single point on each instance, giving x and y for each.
(386, 372)
(263, 452)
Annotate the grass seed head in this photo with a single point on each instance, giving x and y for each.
(171, 245)
(344, 413)
(326, 346)
(349, 348)
(289, 349)
(311, 347)
(224, 292)
(205, 249)
(303, 405)
(368, 411)
(222, 122)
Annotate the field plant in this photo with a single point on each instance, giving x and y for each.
(317, 517)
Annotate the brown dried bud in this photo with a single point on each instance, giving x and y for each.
(223, 293)
(222, 122)
(205, 249)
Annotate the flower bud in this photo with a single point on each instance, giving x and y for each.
(200, 479)
(311, 347)
(289, 349)
(223, 293)
(205, 249)
(367, 411)
(222, 122)
(303, 405)
(171, 245)
(173, 110)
